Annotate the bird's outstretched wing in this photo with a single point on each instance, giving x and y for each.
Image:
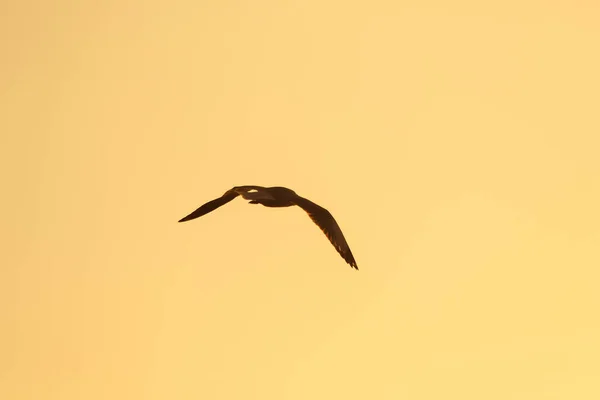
(212, 205)
(329, 226)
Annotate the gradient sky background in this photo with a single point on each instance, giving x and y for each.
(456, 143)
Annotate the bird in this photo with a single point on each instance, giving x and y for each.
(278, 196)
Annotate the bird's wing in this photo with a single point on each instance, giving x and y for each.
(329, 226)
(212, 205)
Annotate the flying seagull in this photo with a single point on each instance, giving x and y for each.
(283, 197)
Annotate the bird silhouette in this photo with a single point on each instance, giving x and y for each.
(278, 196)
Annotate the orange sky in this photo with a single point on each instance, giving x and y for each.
(456, 145)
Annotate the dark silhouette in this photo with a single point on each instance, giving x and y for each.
(284, 197)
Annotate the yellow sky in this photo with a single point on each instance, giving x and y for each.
(456, 145)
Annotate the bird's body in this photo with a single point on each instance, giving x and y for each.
(278, 196)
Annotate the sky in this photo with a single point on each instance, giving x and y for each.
(456, 144)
